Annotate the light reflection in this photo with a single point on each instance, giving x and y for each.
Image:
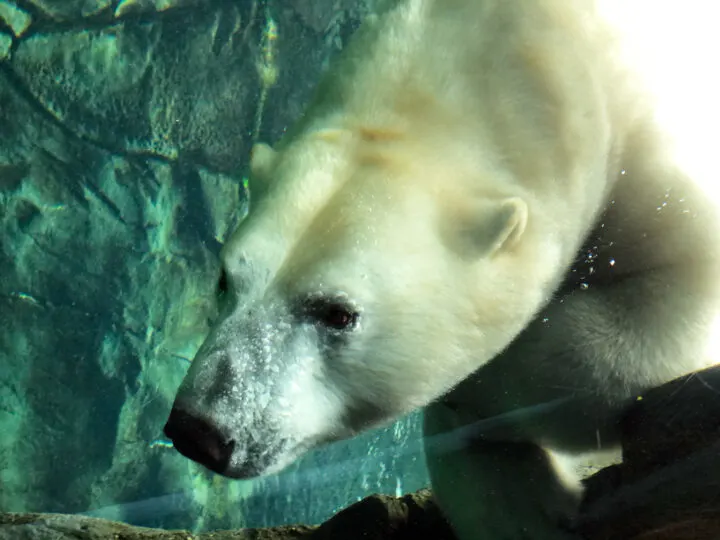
(674, 47)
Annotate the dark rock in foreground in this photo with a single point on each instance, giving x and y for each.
(668, 485)
(374, 518)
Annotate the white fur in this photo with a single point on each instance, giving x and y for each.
(442, 184)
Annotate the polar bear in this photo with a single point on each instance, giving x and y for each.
(478, 215)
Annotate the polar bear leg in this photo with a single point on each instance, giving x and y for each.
(606, 343)
(498, 490)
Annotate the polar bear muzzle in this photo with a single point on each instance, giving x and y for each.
(258, 393)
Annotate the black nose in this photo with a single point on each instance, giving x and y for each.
(196, 439)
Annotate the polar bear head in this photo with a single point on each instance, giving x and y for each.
(368, 279)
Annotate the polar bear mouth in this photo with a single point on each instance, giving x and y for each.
(252, 464)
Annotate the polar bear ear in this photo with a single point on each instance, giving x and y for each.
(509, 224)
(493, 227)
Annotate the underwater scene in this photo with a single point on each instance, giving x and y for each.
(359, 269)
(124, 134)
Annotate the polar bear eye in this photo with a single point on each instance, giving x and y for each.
(333, 314)
(338, 317)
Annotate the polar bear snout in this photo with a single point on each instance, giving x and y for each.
(257, 394)
(199, 440)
